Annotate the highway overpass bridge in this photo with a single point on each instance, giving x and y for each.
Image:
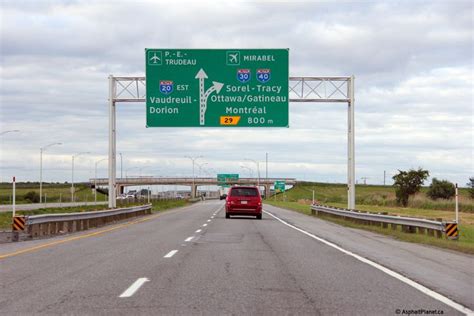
(191, 182)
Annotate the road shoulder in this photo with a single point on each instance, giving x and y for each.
(444, 271)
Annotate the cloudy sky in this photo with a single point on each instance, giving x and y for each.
(413, 63)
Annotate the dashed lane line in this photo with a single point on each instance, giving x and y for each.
(170, 254)
(134, 287)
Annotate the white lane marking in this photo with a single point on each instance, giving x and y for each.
(198, 231)
(134, 287)
(394, 274)
(208, 220)
(204, 225)
(212, 216)
(171, 254)
(189, 238)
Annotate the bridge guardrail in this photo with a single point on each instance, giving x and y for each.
(51, 224)
(408, 224)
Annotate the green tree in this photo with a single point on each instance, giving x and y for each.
(471, 187)
(441, 189)
(32, 197)
(408, 183)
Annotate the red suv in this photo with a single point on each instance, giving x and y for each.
(243, 201)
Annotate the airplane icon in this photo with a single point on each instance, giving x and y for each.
(155, 58)
(233, 58)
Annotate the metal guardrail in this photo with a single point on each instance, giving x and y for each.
(52, 224)
(62, 217)
(389, 219)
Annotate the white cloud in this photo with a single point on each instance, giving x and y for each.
(412, 62)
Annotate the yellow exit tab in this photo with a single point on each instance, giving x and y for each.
(230, 120)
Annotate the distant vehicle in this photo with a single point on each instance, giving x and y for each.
(243, 200)
(223, 193)
(130, 196)
(121, 197)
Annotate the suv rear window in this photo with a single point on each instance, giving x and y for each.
(243, 192)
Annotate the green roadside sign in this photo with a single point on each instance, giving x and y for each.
(279, 186)
(217, 87)
(225, 178)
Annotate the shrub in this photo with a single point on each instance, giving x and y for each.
(408, 183)
(471, 187)
(32, 197)
(441, 189)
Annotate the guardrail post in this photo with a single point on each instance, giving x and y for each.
(34, 230)
(70, 229)
(56, 228)
(439, 233)
(384, 225)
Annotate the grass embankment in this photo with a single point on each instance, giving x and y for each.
(157, 206)
(52, 192)
(299, 199)
(379, 195)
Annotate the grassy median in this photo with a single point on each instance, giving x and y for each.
(52, 193)
(157, 206)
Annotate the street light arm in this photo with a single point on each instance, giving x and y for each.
(12, 131)
(81, 153)
(49, 145)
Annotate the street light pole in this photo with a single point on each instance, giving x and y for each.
(266, 167)
(41, 168)
(72, 173)
(121, 166)
(193, 159)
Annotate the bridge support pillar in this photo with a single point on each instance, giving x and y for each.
(267, 191)
(193, 191)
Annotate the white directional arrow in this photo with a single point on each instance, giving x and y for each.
(203, 96)
(217, 86)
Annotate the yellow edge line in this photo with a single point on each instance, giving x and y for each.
(12, 254)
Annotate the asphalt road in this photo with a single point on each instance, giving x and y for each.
(189, 261)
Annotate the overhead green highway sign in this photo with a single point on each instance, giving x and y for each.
(279, 186)
(217, 87)
(224, 178)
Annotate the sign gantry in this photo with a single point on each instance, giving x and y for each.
(210, 97)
